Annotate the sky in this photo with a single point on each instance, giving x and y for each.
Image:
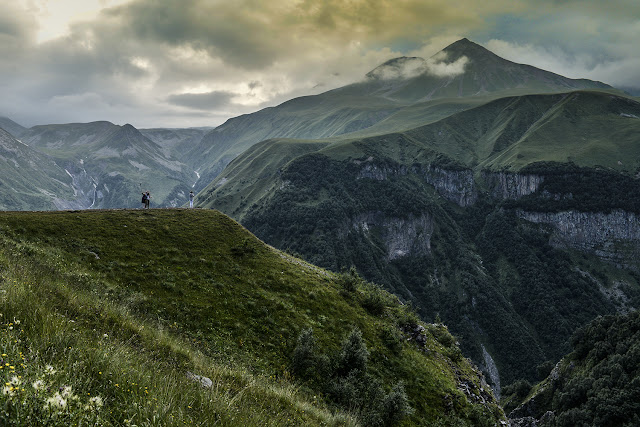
(186, 63)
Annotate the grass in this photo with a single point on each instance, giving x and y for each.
(122, 304)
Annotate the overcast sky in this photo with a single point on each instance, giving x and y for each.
(181, 63)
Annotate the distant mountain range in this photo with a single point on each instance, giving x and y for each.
(401, 94)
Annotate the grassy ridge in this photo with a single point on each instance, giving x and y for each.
(135, 299)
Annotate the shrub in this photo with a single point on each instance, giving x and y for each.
(353, 355)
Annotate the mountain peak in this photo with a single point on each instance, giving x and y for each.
(465, 47)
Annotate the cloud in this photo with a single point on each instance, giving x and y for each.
(438, 66)
(408, 67)
(202, 101)
(198, 62)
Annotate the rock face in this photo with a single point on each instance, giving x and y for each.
(457, 186)
(492, 370)
(401, 237)
(512, 186)
(614, 237)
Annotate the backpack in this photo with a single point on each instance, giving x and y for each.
(144, 198)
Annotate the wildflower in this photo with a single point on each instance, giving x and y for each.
(38, 385)
(48, 370)
(15, 381)
(56, 402)
(96, 402)
(8, 391)
(66, 391)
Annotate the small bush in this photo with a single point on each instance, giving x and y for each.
(353, 355)
(392, 339)
(349, 281)
(374, 301)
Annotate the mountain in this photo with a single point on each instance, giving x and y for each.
(113, 164)
(12, 127)
(30, 180)
(183, 316)
(585, 128)
(466, 69)
(110, 164)
(401, 94)
(507, 220)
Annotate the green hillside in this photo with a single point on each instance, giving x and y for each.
(380, 105)
(104, 313)
(584, 128)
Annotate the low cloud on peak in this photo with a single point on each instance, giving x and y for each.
(409, 67)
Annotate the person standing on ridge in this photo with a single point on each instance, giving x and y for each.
(144, 200)
(191, 195)
(147, 201)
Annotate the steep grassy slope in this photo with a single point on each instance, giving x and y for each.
(585, 128)
(122, 304)
(30, 179)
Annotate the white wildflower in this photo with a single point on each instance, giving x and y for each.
(8, 390)
(38, 385)
(66, 391)
(56, 402)
(48, 370)
(15, 381)
(96, 402)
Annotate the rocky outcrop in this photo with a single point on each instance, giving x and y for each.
(457, 186)
(614, 237)
(401, 237)
(504, 185)
(380, 173)
(492, 370)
